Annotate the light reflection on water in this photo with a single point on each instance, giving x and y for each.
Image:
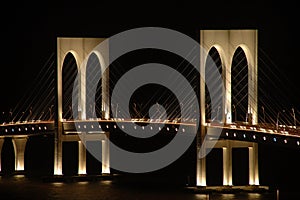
(23, 188)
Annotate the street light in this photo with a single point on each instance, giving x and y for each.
(277, 121)
(234, 110)
(294, 116)
(264, 116)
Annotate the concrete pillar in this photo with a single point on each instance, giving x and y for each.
(1, 144)
(201, 172)
(105, 95)
(81, 158)
(227, 164)
(19, 144)
(58, 150)
(253, 165)
(105, 156)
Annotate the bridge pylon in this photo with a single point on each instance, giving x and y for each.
(80, 49)
(226, 42)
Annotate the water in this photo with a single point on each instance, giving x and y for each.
(36, 189)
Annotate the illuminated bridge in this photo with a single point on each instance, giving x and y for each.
(243, 116)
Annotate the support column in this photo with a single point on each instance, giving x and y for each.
(1, 144)
(105, 155)
(19, 144)
(81, 158)
(253, 165)
(201, 171)
(227, 164)
(58, 150)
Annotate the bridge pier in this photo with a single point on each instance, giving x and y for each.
(227, 164)
(81, 158)
(253, 165)
(227, 146)
(57, 155)
(19, 144)
(105, 156)
(1, 144)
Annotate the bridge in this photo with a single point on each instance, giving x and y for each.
(234, 122)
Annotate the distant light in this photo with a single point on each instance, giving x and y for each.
(115, 126)
(274, 139)
(25, 128)
(168, 128)
(298, 143)
(183, 130)
(134, 127)
(226, 133)
(244, 135)
(45, 128)
(100, 126)
(151, 127)
(285, 141)
(32, 128)
(6, 130)
(234, 134)
(122, 126)
(84, 126)
(19, 129)
(92, 126)
(264, 138)
(254, 137)
(159, 128)
(40, 128)
(12, 130)
(78, 126)
(176, 129)
(107, 126)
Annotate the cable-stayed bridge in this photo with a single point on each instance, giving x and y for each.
(67, 104)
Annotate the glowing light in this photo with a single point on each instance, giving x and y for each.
(285, 141)
(298, 143)
(274, 139)
(234, 134)
(254, 137)
(244, 135)
(264, 138)
(168, 128)
(183, 130)
(115, 126)
(226, 133)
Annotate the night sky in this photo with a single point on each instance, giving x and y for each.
(28, 34)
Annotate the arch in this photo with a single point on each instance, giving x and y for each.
(93, 102)
(69, 73)
(239, 85)
(211, 76)
(103, 74)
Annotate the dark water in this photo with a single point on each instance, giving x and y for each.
(36, 189)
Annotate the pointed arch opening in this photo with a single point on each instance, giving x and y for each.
(70, 83)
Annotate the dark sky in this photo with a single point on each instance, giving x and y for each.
(28, 34)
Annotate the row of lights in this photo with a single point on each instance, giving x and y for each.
(123, 127)
(25, 129)
(264, 138)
